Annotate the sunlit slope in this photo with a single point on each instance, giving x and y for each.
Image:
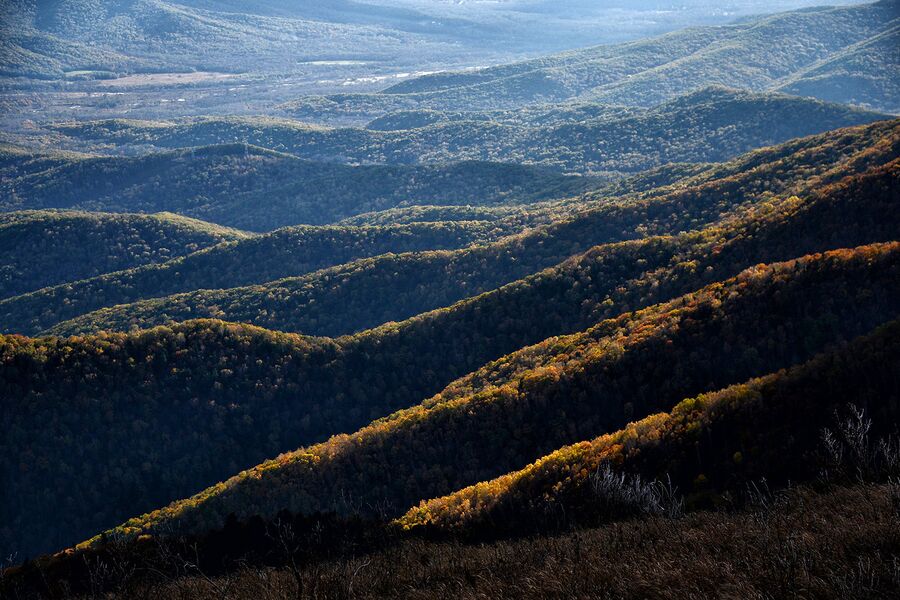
(712, 443)
(352, 297)
(567, 389)
(262, 404)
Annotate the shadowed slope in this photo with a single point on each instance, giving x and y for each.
(712, 443)
(351, 297)
(44, 248)
(249, 187)
(566, 389)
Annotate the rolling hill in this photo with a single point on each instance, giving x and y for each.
(712, 124)
(856, 75)
(45, 248)
(260, 190)
(290, 251)
(563, 390)
(755, 54)
(710, 444)
(350, 297)
(50, 40)
(346, 384)
(471, 321)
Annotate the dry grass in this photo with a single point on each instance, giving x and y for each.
(844, 543)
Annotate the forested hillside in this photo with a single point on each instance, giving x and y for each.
(285, 252)
(259, 190)
(566, 389)
(710, 444)
(426, 353)
(349, 297)
(712, 124)
(407, 366)
(376, 298)
(44, 248)
(856, 75)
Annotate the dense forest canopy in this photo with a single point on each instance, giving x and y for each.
(348, 297)
(710, 124)
(209, 386)
(45, 248)
(566, 389)
(708, 443)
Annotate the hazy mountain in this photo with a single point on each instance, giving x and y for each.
(757, 54)
(50, 38)
(260, 190)
(713, 124)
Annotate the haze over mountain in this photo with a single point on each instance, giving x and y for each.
(48, 39)
(803, 50)
(168, 58)
(259, 190)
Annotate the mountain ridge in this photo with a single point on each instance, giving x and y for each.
(774, 411)
(552, 390)
(706, 125)
(744, 54)
(321, 302)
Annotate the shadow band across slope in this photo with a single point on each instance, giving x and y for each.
(711, 444)
(349, 298)
(228, 396)
(564, 390)
(730, 437)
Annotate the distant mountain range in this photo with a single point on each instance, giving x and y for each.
(846, 54)
(713, 124)
(83, 38)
